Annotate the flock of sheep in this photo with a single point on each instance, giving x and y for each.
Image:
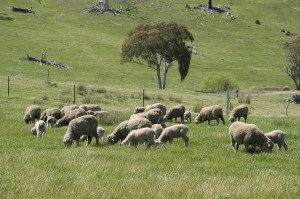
(147, 125)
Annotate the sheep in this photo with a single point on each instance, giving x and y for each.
(66, 109)
(174, 112)
(39, 129)
(84, 125)
(92, 107)
(122, 130)
(97, 114)
(209, 113)
(140, 136)
(100, 132)
(157, 129)
(238, 112)
(249, 134)
(32, 112)
(65, 120)
(277, 137)
(55, 112)
(175, 131)
(154, 115)
(187, 116)
(139, 110)
(149, 107)
(51, 121)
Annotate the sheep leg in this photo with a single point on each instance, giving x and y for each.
(233, 144)
(89, 140)
(222, 118)
(182, 119)
(77, 142)
(171, 140)
(245, 118)
(186, 140)
(284, 145)
(96, 137)
(217, 121)
(246, 147)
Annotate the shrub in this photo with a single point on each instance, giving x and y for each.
(82, 90)
(217, 83)
(246, 99)
(99, 90)
(175, 99)
(197, 108)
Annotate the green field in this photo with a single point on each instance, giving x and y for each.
(90, 44)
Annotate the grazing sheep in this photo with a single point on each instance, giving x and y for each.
(51, 121)
(140, 136)
(97, 114)
(65, 120)
(122, 130)
(209, 113)
(149, 107)
(55, 112)
(92, 107)
(277, 137)
(238, 112)
(154, 115)
(66, 109)
(157, 129)
(84, 125)
(187, 116)
(175, 131)
(39, 129)
(174, 112)
(31, 113)
(100, 132)
(139, 110)
(248, 134)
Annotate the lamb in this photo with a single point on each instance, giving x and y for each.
(39, 129)
(140, 136)
(157, 129)
(84, 125)
(187, 116)
(55, 112)
(174, 112)
(51, 121)
(100, 132)
(92, 107)
(122, 130)
(209, 113)
(66, 109)
(65, 120)
(31, 113)
(154, 115)
(238, 112)
(277, 137)
(175, 131)
(249, 134)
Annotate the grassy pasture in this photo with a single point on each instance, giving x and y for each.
(91, 46)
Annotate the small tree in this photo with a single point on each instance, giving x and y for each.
(292, 68)
(159, 45)
(209, 4)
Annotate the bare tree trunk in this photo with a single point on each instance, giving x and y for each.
(158, 76)
(105, 5)
(166, 66)
(209, 4)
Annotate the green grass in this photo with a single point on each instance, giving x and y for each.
(91, 46)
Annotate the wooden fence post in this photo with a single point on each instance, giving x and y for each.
(143, 97)
(8, 86)
(74, 94)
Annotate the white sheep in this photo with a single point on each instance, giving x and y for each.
(277, 137)
(32, 112)
(187, 116)
(140, 136)
(100, 132)
(65, 120)
(151, 106)
(39, 129)
(84, 125)
(92, 107)
(209, 113)
(157, 129)
(154, 115)
(55, 112)
(66, 109)
(175, 131)
(248, 134)
(51, 121)
(174, 112)
(238, 112)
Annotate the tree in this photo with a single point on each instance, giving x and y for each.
(159, 45)
(209, 4)
(292, 68)
(105, 5)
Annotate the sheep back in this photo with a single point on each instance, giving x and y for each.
(66, 109)
(40, 127)
(65, 120)
(156, 105)
(92, 107)
(32, 112)
(55, 112)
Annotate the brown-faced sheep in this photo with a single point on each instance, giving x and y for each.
(66, 109)
(39, 128)
(174, 112)
(55, 112)
(51, 121)
(277, 137)
(92, 107)
(209, 113)
(140, 136)
(238, 112)
(248, 134)
(100, 132)
(187, 116)
(122, 130)
(157, 129)
(154, 115)
(84, 125)
(31, 113)
(65, 120)
(175, 131)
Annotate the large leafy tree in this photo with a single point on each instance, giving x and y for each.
(292, 67)
(159, 45)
